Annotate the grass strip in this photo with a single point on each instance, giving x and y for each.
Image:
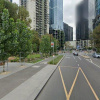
(56, 60)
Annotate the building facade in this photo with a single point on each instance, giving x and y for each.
(39, 14)
(56, 14)
(10, 0)
(68, 31)
(82, 32)
(84, 22)
(96, 21)
(91, 14)
(42, 16)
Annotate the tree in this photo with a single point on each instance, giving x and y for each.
(24, 46)
(45, 44)
(15, 11)
(96, 37)
(23, 15)
(12, 8)
(7, 36)
(61, 39)
(1, 9)
(35, 41)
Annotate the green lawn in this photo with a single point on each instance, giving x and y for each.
(56, 60)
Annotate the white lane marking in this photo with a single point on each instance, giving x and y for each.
(92, 63)
(35, 66)
(73, 57)
(78, 65)
(67, 57)
(79, 58)
(43, 63)
(96, 65)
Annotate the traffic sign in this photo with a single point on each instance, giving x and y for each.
(52, 44)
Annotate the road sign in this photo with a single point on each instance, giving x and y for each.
(52, 44)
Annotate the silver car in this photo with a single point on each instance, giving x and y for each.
(96, 55)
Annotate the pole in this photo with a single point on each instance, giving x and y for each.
(20, 58)
(7, 64)
(53, 55)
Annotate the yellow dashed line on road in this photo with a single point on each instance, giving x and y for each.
(90, 85)
(68, 95)
(70, 92)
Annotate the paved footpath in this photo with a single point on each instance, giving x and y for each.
(27, 78)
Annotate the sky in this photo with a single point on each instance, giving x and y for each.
(69, 7)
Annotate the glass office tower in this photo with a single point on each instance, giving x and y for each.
(56, 14)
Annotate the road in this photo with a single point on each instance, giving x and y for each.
(75, 79)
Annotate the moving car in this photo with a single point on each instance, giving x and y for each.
(75, 53)
(96, 55)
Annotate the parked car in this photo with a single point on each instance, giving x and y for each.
(75, 53)
(96, 55)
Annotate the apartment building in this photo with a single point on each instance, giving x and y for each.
(39, 14)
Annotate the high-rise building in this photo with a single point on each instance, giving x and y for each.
(96, 20)
(91, 14)
(85, 15)
(56, 14)
(42, 16)
(10, 0)
(39, 14)
(84, 22)
(68, 31)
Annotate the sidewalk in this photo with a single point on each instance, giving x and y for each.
(14, 67)
(30, 88)
(28, 83)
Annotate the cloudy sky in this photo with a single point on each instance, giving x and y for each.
(69, 12)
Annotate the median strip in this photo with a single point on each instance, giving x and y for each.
(56, 60)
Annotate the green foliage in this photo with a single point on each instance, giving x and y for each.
(56, 60)
(45, 45)
(15, 11)
(15, 37)
(7, 35)
(23, 15)
(61, 39)
(23, 38)
(35, 41)
(1, 9)
(12, 8)
(33, 56)
(96, 37)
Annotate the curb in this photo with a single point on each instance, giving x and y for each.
(48, 79)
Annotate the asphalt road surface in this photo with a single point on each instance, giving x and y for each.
(75, 79)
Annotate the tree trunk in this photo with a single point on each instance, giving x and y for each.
(4, 66)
